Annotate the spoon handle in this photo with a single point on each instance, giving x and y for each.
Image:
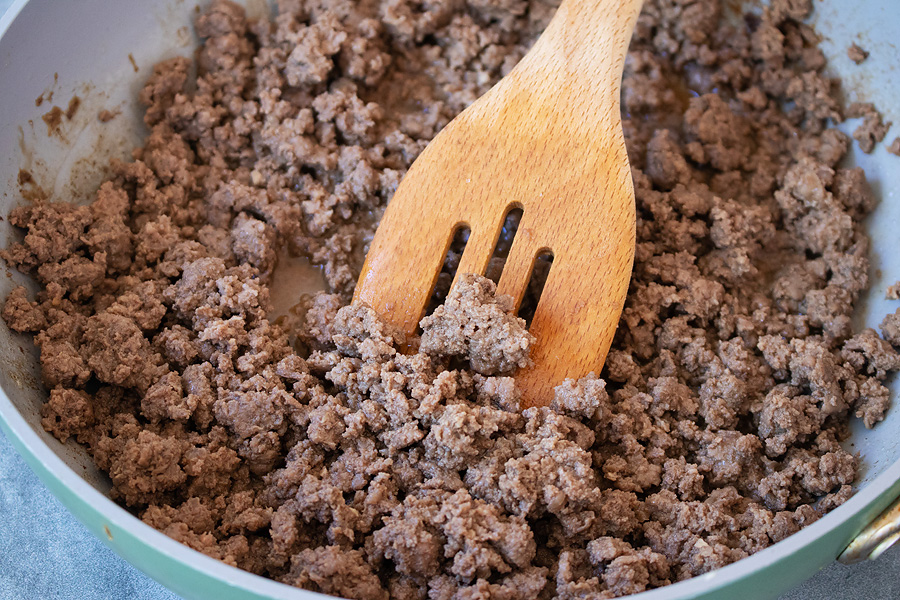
(585, 43)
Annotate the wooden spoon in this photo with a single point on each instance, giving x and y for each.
(547, 139)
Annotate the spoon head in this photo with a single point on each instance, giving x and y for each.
(547, 139)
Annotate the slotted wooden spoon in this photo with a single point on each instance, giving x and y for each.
(547, 139)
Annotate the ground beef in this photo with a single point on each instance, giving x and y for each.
(473, 324)
(334, 455)
(856, 53)
(873, 128)
(332, 570)
(894, 147)
(890, 328)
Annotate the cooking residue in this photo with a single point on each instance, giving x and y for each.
(53, 117)
(28, 187)
(105, 116)
(74, 103)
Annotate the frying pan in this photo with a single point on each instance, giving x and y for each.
(101, 51)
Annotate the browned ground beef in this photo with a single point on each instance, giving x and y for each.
(857, 53)
(334, 462)
(894, 147)
(872, 129)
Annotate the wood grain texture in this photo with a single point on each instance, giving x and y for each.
(548, 139)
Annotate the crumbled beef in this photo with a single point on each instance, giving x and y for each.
(890, 327)
(873, 128)
(856, 53)
(328, 452)
(22, 315)
(67, 413)
(473, 324)
(894, 147)
(332, 570)
(118, 353)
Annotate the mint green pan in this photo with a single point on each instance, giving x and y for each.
(82, 48)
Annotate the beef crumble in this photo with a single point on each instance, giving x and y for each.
(856, 53)
(339, 464)
(893, 291)
(894, 147)
(873, 128)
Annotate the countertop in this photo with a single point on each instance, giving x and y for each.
(46, 553)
